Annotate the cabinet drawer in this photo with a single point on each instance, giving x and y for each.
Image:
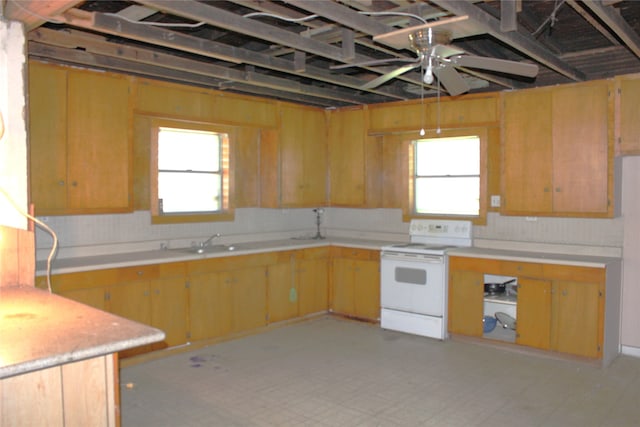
(574, 273)
(142, 272)
(481, 265)
(313, 253)
(80, 280)
(518, 269)
(172, 269)
(356, 253)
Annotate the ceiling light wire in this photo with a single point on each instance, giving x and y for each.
(422, 132)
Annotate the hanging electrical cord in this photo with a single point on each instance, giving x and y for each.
(41, 224)
(283, 18)
(422, 109)
(552, 18)
(158, 24)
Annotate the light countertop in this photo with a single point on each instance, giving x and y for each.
(39, 330)
(528, 256)
(130, 259)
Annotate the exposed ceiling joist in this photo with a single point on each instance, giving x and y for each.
(274, 48)
(517, 40)
(617, 24)
(33, 13)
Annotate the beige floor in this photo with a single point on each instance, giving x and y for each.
(334, 372)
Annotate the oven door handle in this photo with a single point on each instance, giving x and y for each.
(407, 257)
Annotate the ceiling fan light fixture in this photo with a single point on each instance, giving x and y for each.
(428, 75)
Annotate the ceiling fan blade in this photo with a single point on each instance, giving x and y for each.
(372, 62)
(495, 64)
(451, 80)
(390, 75)
(445, 51)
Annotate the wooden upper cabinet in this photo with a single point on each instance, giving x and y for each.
(99, 149)
(303, 157)
(527, 163)
(557, 151)
(80, 148)
(627, 123)
(346, 143)
(48, 137)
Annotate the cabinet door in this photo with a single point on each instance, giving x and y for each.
(527, 178)
(48, 137)
(282, 292)
(98, 147)
(210, 306)
(367, 290)
(466, 292)
(581, 148)
(342, 286)
(346, 143)
(169, 309)
(131, 300)
(628, 126)
(94, 297)
(577, 312)
(534, 313)
(249, 297)
(312, 276)
(303, 157)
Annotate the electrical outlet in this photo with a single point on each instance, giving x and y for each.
(495, 201)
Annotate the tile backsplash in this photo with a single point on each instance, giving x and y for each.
(134, 231)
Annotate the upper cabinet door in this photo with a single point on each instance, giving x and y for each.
(98, 142)
(346, 143)
(303, 157)
(581, 148)
(527, 152)
(48, 137)
(627, 123)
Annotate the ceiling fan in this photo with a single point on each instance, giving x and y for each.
(437, 58)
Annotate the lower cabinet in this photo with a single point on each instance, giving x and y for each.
(217, 297)
(355, 283)
(562, 309)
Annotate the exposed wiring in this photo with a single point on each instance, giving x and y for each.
(552, 18)
(41, 224)
(283, 18)
(157, 24)
(309, 17)
(411, 15)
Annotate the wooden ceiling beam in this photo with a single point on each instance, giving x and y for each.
(33, 13)
(612, 18)
(519, 41)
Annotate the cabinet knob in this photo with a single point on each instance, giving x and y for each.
(74, 183)
(558, 190)
(61, 183)
(140, 273)
(564, 293)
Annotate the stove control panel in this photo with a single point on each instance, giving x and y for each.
(440, 228)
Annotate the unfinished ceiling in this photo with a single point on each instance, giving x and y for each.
(290, 49)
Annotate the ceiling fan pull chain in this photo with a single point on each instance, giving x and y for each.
(438, 110)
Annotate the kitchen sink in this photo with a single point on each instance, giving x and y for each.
(209, 249)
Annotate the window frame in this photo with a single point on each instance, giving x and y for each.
(482, 134)
(227, 211)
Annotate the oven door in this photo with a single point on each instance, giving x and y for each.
(413, 283)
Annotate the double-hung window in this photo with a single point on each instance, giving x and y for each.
(191, 172)
(447, 177)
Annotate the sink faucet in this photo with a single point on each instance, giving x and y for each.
(206, 242)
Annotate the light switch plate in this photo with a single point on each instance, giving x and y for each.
(495, 201)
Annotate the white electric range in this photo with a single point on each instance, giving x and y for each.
(414, 277)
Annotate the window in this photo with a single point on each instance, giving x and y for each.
(190, 173)
(447, 177)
